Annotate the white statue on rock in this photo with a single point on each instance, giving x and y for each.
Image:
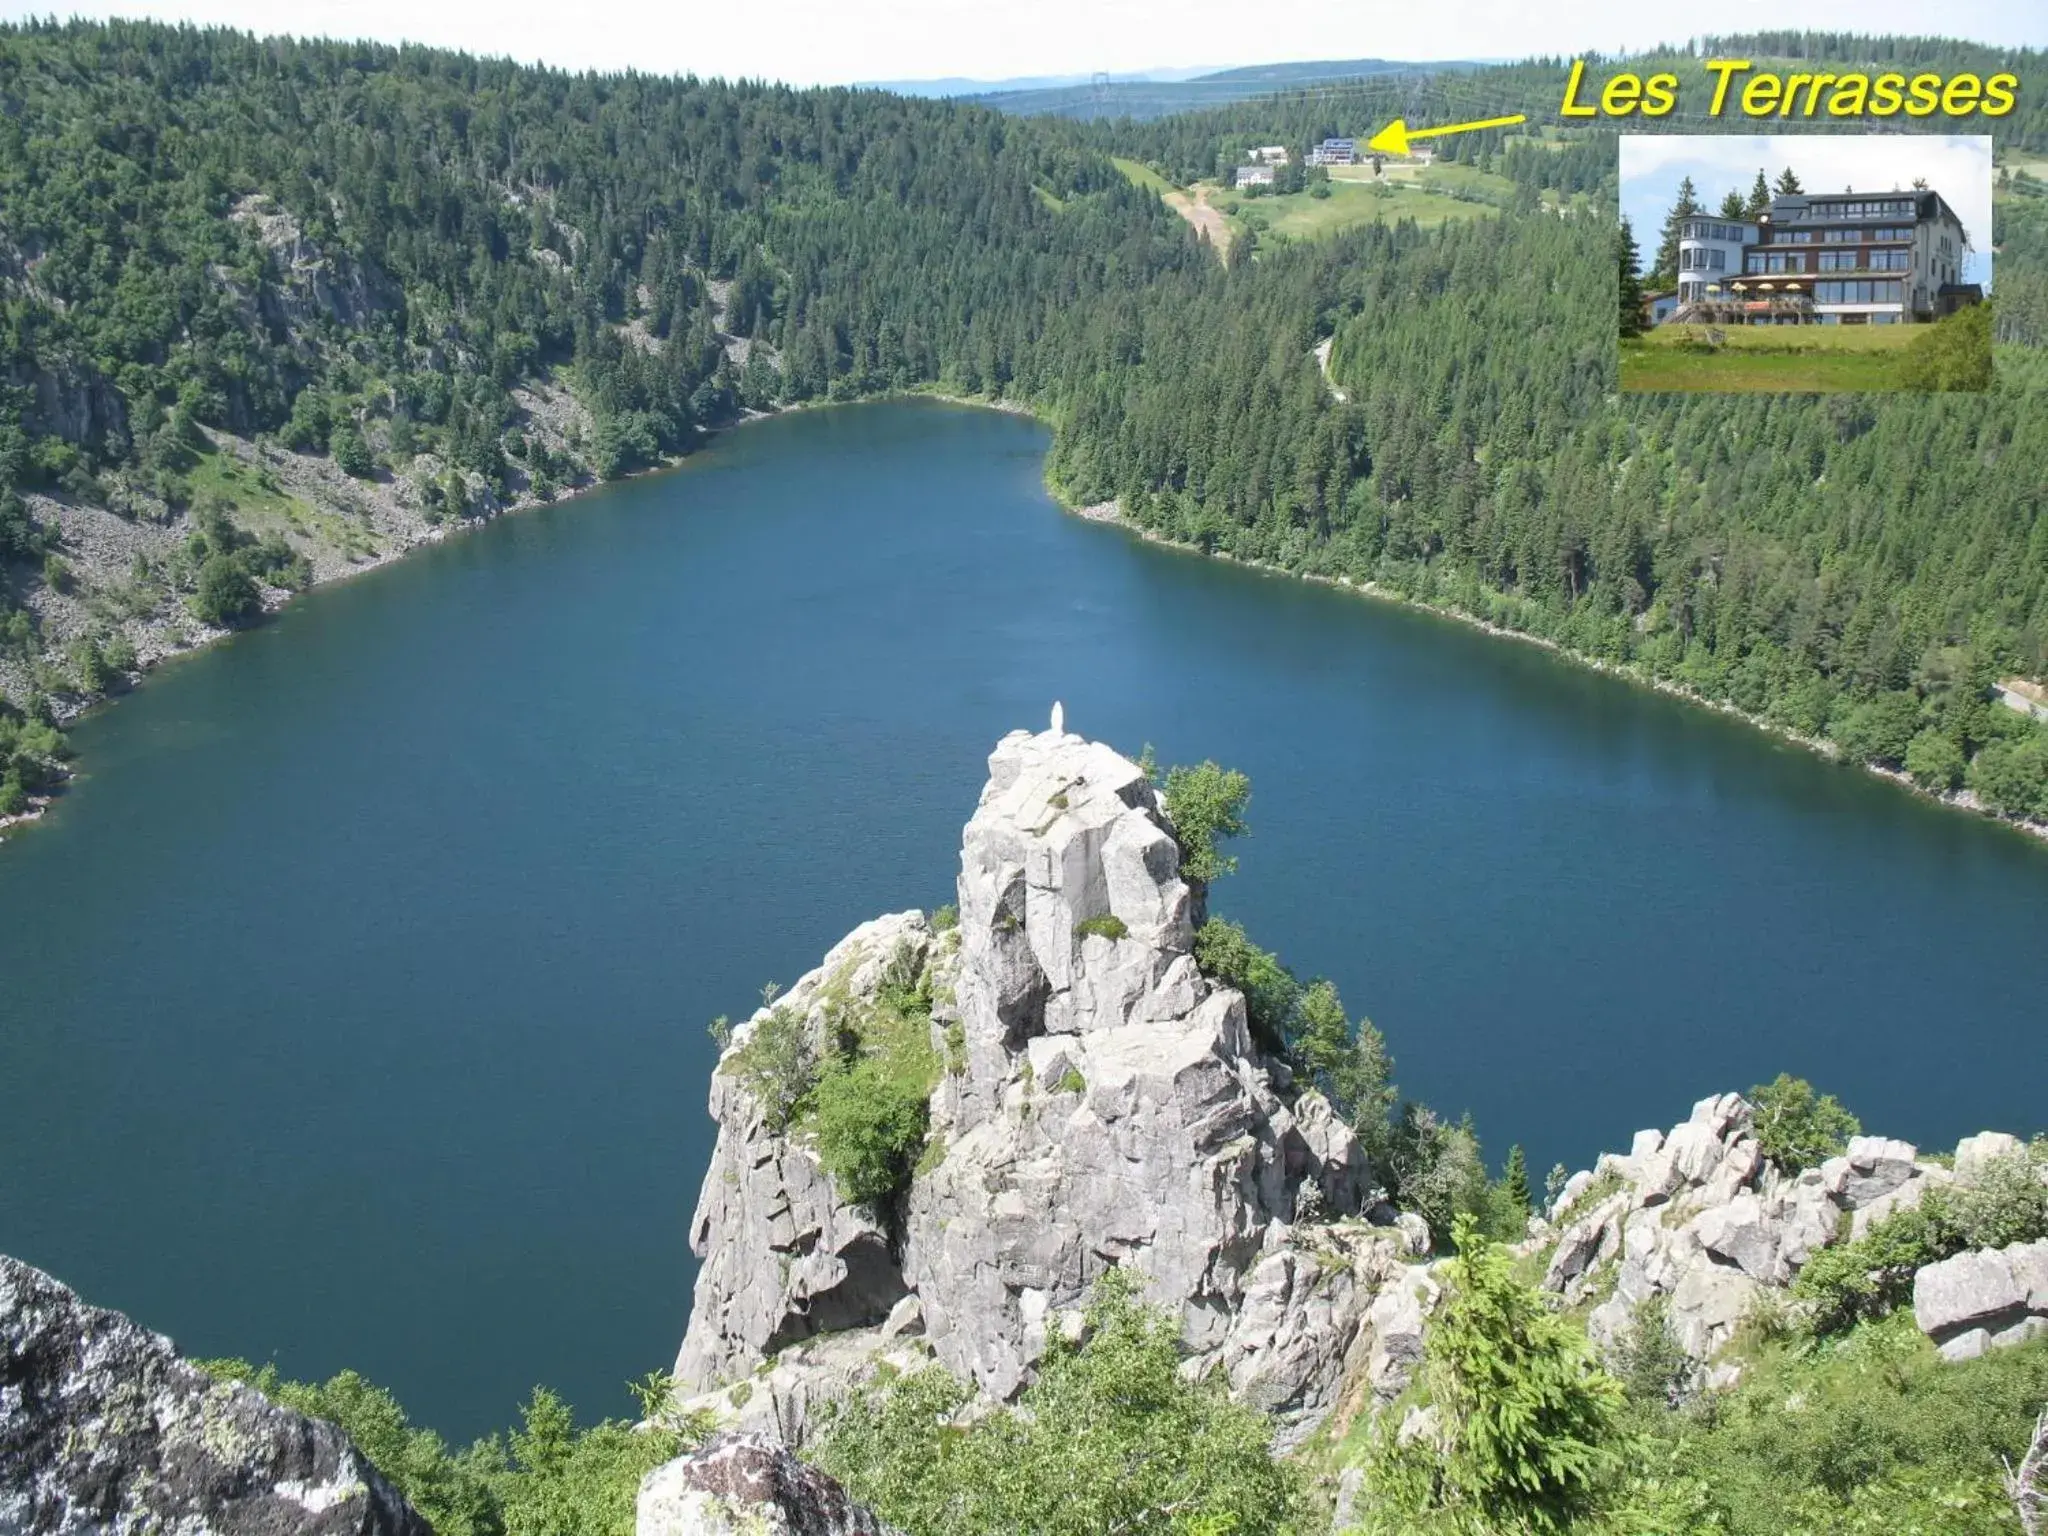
(1059, 718)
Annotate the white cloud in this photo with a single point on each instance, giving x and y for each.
(812, 41)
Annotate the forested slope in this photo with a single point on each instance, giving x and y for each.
(366, 254)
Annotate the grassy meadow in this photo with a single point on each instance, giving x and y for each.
(1794, 359)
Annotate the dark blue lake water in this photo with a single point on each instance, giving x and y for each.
(354, 1000)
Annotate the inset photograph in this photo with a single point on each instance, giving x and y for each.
(1805, 262)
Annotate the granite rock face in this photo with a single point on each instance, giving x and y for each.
(1103, 1105)
(784, 1257)
(103, 1428)
(1698, 1217)
(746, 1485)
(1982, 1300)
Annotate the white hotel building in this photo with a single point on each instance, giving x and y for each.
(1847, 258)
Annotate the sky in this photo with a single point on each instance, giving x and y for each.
(810, 42)
(1958, 166)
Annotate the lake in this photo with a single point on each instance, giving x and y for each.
(355, 997)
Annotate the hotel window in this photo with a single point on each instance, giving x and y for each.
(1891, 234)
(1859, 292)
(1754, 262)
(1842, 236)
(1891, 261)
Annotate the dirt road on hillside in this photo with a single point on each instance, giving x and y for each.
(1196, 210)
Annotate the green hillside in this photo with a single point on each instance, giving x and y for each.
(363, 253)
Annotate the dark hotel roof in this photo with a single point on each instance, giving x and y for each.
(1797, 207)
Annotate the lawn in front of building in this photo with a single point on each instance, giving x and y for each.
(1786, 358)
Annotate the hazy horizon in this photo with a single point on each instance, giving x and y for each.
(916, 42)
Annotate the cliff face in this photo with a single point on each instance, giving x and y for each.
(104, 1428)
(1102, 1104)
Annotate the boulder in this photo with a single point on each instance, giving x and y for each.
(1976, 1153)
(1740, 1233)
(104, 1428)
(1981, 1300)
(747, 1485)
(1872, 1167)
(1395, 1325)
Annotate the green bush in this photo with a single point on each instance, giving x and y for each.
(1934, 761)
(1205, 803)
(1953, 353)
(1108, 926)
(1875, 1435)
(869, 1119)
(1225, 953)
(2011, 776)
(456, 1491)
(1111, 1437)
(1880, 730)
(1433, 1168)
(777, 1064)
(225, 594)
(351, 454)
(1653, 1368)
(546, 1478)
(1796, 1130)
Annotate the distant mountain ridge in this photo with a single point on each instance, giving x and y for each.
(1163, 92)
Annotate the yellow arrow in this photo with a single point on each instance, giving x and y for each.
(1393, 139)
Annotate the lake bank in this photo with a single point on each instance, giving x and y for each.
(419, 534)
(1112, 513)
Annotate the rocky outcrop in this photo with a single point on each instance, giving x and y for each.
(1103, 1105)
(745, 1485)
(1699, 1218)
(104, 1428)
(785, 1258)
(1979, 1301)
(310, 283)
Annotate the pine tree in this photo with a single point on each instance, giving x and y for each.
(1759, 197)
(1733, 207)
(1631, 315)
(1788, 184)
(1514, 1179)
(1528, 1433)
(1664, 271)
